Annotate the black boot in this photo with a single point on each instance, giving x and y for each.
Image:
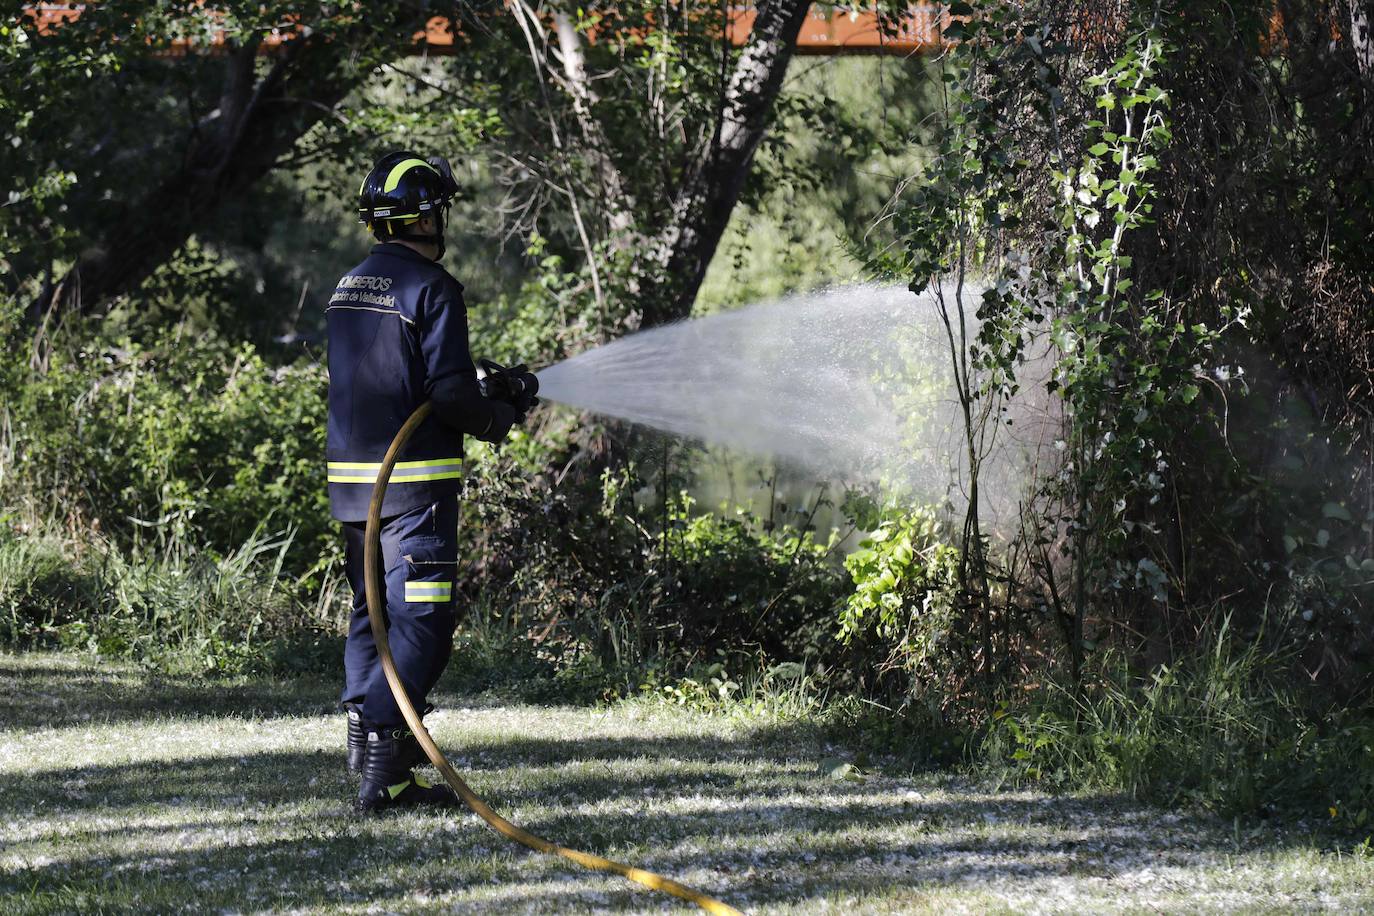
(388, 781)
(357, 739)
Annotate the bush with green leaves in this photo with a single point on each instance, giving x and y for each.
(42, 586)
(1084, 201)
(903, 618)
(180, 437)
(590, 566)
(735, 582)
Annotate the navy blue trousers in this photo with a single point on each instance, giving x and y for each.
(420, 556)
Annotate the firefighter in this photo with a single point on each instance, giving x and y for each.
(398, 336)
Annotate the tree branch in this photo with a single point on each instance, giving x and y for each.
(258, 123)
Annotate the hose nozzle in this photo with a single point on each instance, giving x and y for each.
(516, 385)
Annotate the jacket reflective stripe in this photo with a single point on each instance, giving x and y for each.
(433, 592)
(405, 471)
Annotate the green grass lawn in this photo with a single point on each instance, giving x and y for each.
(125, 791)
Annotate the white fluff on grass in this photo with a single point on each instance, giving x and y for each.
(169, 805)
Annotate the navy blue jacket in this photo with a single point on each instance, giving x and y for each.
(398, 336)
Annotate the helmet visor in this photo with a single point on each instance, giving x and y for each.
(445, 171)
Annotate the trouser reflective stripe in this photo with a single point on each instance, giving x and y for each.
(404, 472)
(429, 591)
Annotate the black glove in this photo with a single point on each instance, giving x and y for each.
(503, 417)
(458, 402)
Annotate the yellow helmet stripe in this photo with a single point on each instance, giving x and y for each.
(400, 169)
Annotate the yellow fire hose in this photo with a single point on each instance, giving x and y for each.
(372, 565)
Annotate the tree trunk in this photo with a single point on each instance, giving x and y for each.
(570, 55)
(1362, 39)
(673, 257)
(703, 204)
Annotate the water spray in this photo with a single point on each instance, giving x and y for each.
(852, 384)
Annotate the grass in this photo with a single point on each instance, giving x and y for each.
(1224, 727)
(172, 606)
(124, 791)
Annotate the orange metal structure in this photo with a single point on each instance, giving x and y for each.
(825, 32)
(857, 31)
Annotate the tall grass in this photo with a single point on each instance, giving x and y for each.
(744, 686)
(168, 604)
(1225, 728)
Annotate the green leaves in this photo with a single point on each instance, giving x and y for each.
(201, 437)
(905, 590)
(129, 100)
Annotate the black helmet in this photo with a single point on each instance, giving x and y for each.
(402, 188)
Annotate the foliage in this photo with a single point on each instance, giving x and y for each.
(905, 600)
(748, 688)
(82, 178)
(612, 135)
(40, 586)
(777, 581)
(1220, 728)
(1171, 200)
(845, 127)
(547, 318)
(173, 608)
(630, 581)
(1077, 144)
(183, 437)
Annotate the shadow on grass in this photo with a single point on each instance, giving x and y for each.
(272, 829)
(64, 691)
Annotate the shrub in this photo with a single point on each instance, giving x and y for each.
(176, 609)
(902, 617)
(180, 438)
(1222, 728)
(746, 685)
(598, 571)
(41, 588)
(733, 583)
